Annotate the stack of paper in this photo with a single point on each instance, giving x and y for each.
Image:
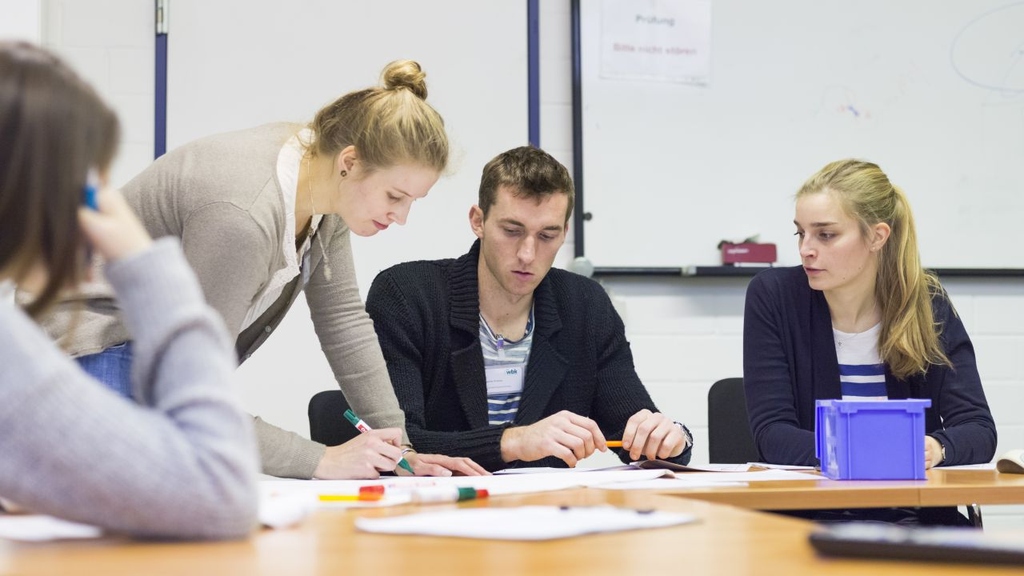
(40, 528)
(522, 522)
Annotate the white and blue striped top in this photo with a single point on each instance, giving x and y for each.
(861, 370)
(502, 408)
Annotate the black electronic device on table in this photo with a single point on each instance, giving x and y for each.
(932, 544)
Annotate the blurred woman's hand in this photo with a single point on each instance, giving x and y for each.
(113, 230)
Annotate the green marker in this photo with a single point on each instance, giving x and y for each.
(363, 427)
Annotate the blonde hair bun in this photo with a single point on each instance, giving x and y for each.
(405, 74)
(389, 124)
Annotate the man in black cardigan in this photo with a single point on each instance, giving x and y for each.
(498, 357)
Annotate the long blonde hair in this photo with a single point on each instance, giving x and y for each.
(909, 339)
(388, 125)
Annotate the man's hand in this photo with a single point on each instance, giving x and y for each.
(653, 435)
(566, 436)
(441, 465)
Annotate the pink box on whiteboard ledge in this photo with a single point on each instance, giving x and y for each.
(747, 252)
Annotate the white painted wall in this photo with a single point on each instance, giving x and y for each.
(21, 20)
(686, 333)
(112, 44)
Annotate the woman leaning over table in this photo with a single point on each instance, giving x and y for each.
(860, 304)
(182, 463)
(267, 212)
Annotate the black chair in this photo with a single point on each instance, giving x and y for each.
(729, 438)
(327, 423)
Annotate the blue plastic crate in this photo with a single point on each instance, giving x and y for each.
(870, 439)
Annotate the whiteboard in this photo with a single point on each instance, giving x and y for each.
(931, 90)
(234, 64)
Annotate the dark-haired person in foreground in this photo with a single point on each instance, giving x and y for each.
(180, 463)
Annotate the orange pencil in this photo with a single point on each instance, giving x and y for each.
(614, 443)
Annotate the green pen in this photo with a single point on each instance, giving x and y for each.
(364, 427)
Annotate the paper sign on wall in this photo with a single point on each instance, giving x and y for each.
(658, 40)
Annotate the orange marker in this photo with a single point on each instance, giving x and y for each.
(614, 443)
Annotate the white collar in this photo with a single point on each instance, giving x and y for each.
(289, 161)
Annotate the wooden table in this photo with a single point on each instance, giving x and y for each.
(947, 487)
(727, 540)
(942, 488)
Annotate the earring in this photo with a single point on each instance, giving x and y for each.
(344, 173)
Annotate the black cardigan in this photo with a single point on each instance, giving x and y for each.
(427, 316)
(789, 361)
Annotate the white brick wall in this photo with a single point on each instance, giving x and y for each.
(21, 20)
(685, 333)
(112, 44)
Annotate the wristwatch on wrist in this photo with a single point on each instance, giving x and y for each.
(686, 435)
(942, 449)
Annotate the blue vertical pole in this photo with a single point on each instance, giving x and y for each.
(160, 103)
(533, 69)
(578, 217)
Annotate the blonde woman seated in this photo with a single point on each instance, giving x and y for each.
(860, 318)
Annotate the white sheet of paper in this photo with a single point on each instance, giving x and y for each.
(397, 489)
(721, 467)
(285, 509)
(710, 479)
(666, 484)
(781, 466)
(522, 522)
(653, 464)
(986, 466)
(548, 470)
(755, 476)
(40, 528)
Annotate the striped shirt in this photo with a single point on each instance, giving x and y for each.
(861, 370)
(502, 408)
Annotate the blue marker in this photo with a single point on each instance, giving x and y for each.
(92, 182)
(92, 185)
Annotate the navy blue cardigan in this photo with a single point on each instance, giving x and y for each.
(427, 316)
(789, 361)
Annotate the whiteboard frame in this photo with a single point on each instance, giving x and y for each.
(693, 268)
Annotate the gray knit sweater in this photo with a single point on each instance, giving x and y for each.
(182, 465)
(221, 196)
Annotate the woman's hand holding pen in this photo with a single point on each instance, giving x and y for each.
(362, 458)
(652, 435)
(441, 465)
(565, 435)
(113, 229)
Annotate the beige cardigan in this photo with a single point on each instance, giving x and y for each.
(220, 195)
